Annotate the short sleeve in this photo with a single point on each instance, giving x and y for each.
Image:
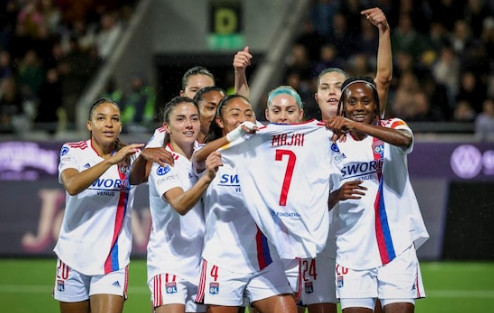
(164, 178)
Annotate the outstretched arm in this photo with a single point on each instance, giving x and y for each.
(395, 137)
(240, 63)
(384, 56)
(201, 155)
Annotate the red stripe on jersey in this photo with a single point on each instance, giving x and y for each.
(80, 145)
(111, 263)
(202, 282)
(161, 130)
(396, 123)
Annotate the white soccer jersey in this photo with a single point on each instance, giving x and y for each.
(157, 139)
(284, 176)
(95, 237)
(176, 241)
(233, 240)
(373, 230)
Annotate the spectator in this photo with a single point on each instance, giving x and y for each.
(484, 123)
(31, 73)
(11, 104)
(50, 101)
(110, 32)
(464, 112)
(447, 71)
(138, 106)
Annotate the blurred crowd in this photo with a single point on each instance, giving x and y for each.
(49, 51)
(443, 69)
(443, 66)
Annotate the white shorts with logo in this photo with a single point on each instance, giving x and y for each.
(168, 288)
(318, 280)
(220, 286)
(400, 280)
(73, 286)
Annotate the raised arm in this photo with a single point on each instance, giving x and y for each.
(75, 182)
(241, 60)
(384, 56)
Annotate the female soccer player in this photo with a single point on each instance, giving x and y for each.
(237, 259)
(95, 240)
(177, 235)
(377, 234)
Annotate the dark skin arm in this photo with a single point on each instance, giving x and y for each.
(384, 59)
(395, 137)
(349, 190)
(139, 172)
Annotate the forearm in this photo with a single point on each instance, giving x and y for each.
(384, 66)
(241, 85)
(138, 171)
(188, 199)
(202, 154)
(80, 181)
(392, 136)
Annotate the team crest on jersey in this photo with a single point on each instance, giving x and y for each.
(163, 170)
(64, 151)
(309, 288)
(171, 287)
(60, 285)
(378, 147)
(87, 165)
(214, 288)
(339, 281)
(335, 148)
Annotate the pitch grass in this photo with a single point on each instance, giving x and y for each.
(26, 285)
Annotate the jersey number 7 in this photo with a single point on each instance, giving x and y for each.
(288, 173)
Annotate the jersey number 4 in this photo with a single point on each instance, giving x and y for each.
(292, 158)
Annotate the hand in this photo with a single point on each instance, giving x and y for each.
(242, 60)
(249, 127)
(159, 155)
(376, 17)
(339, 125)
(351, 190)
(126, 151)
(213, 161)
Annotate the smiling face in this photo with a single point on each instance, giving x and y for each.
(359, 103)
(284, 109)
(235, 112)
(104, 125)
(329, 93)
(183, 124)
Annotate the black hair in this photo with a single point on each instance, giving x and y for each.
(358, 79)
(168, 108)
(119, 144)
(196, 70)
(200, 94)
(215, 131)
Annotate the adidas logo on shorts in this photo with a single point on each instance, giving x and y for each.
(116, 283)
